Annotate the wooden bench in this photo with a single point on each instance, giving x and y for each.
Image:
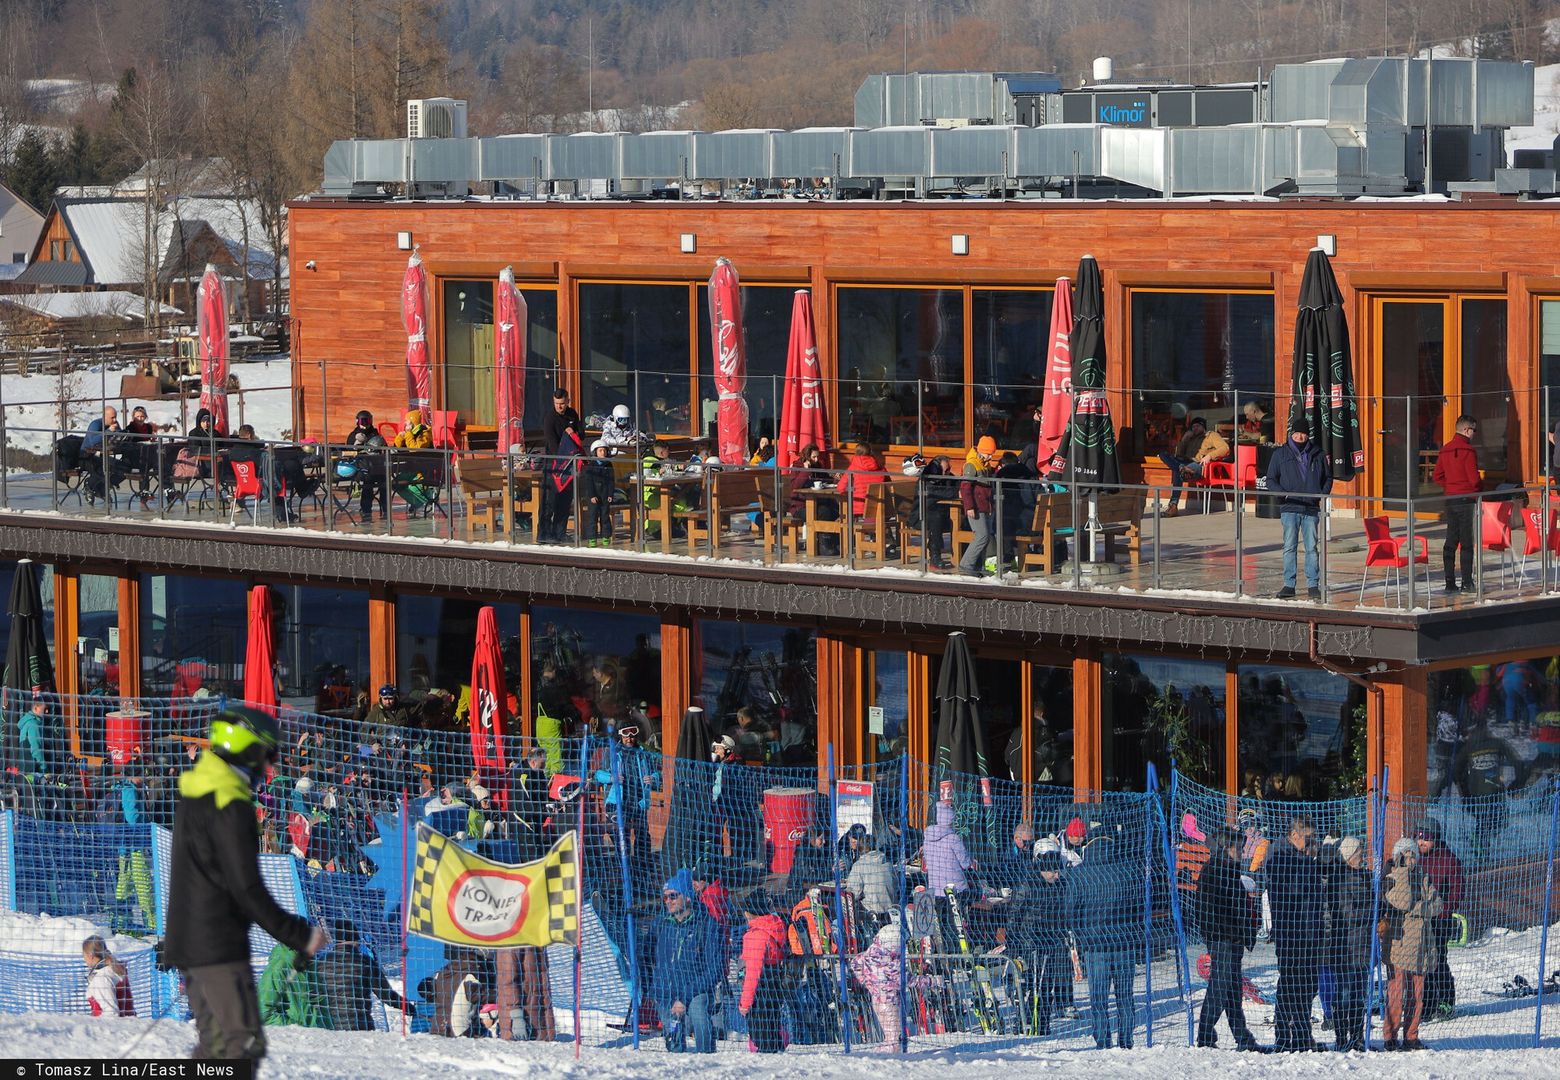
(774, 507)
(1120, 518)
(483, 486)
(733, 492)
(879, 530)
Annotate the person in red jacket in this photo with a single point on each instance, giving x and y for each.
(763, 972)
(975, 497)
(1443, 871)
(1457, 471)
(864, 470)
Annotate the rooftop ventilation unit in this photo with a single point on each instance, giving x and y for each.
(435, 118)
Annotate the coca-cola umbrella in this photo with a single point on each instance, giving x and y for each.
(730, 351)
(211, 328)
(510, 316)
(29, 669)
(1056, 401)
(962, 770)
(414, 316)
(804, 416)
(260, 650)
(1323, 396)
(1089, 447)
(489, 702)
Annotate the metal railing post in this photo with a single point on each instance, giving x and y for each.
(1158, 538)
(387, 493)
(1240, 551)
(996, 508)
(1478, 546)
(1077, 533)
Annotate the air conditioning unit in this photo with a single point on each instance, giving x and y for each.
(435, 118)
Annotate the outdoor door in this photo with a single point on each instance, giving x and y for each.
(1436, 358)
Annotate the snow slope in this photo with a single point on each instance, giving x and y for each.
(300, 1052)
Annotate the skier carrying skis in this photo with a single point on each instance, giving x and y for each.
(215, 891)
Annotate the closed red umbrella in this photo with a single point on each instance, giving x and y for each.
(730, 351)
(414, 316)
(804, 417)
(510, 317)
(260, 654)
(489, 699)
(212, 328)
(1056, 402)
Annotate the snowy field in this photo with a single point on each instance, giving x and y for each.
(368, 1056)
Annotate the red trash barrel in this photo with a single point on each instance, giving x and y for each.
(787, 813)
(123, 732)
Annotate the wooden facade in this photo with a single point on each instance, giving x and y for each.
(347, 317)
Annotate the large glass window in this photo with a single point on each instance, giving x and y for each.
(635, 351)
(1195, 354)
(1302, 734)
(772, 670)
(45, 574)
(1011, 339)
(97, 656)
(1155, 708)
(435, 638)
(888, 731)
(596, 666)
(901, 365)
(1549, 368)
(1486, 382)
(193, 635)
(468, 351)
(1492, 727)
(766, 325)
(1051, 725)
(322, 647)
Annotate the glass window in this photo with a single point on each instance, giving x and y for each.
(901, 366)
(468, 350)
(435, 637)
(1011, 339)
(1549, 365)
(1486, 383)
(45, 574)
(322, 647)
(772, 670)
(97, 656)
(193, 635)
(1051, 725)
(1491, 726)
(1195, 353)
(1302, 734)
(589, 665)
(766, 324)
(635, 351)
(1158, 707)
(890, 691)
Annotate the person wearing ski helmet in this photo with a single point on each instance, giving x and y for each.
(619, 433)
(215, 889)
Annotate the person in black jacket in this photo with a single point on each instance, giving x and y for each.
(596, 485)
(1109, 931)
(349, 977)
(215, 890)
(1037, 934)
(1351, 922)
(1224, 915)
(1298, 472)
(1295, 891)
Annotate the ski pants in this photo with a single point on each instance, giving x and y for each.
(1109, 970)
(696, 1018)
(227, 1011)
(1297, 978)
(1224, 994)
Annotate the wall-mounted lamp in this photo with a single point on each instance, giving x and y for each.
(310, 265)
(1328, 243)
(688, 243)
(961, 243)
(403, 240)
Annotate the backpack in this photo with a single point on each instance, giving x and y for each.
(185, 467)
(67, 455)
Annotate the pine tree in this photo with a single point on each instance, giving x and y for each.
(35, 171)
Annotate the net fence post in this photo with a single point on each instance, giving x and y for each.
(1378, 846)
(1148, 908)
(1182, 968)
(1543, 936)
(904, 921)
(620, 778)
(579, 873)
(839, 905)
(406, 868)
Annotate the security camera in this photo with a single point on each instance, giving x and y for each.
(310, 265)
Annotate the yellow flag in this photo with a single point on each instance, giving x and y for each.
(459, 897)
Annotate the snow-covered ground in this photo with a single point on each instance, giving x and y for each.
(1546, 114)
(300, 1052)
(32, 401)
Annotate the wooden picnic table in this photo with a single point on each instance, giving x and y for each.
(666, 484)
(813, 497)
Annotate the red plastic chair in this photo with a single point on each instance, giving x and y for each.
(1495, 532)
(388, 430)
(1230, 476)
(449, 432)
(1536, 538)
(246, 485)
(1385, 550)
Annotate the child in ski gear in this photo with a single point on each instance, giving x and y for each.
(215, 890)
(878, 970)
(763, 972)
(689, 965)
(1411, 949)
(108, 985)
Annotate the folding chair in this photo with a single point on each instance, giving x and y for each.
(1387, 551)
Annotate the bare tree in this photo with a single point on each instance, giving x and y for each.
(148, 121)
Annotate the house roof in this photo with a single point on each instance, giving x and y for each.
(83, 305)
(196, 176)
(108, 238)
(58, 272)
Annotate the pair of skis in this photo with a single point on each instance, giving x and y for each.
(991, 1009)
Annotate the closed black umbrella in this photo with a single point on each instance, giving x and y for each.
(962, 760)
(689, 829)
(1323, 396)
(1090, 443)
(28, 668)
